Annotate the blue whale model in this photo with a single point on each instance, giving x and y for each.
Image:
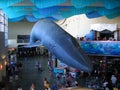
(60, 43)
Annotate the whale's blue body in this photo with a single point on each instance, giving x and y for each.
(62, 45)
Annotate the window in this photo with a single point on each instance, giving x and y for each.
(23, 38)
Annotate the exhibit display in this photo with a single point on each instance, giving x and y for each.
(104, 48)
(60, 43)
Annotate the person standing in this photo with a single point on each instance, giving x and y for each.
(32, 87)
(47, 86)
(114, 80)
(45, 82)
(39, 66)
(19, 87)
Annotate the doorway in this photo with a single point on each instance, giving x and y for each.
(106, 34)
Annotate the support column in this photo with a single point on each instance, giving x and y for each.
(0, 75)
(0, 71)
(56, 62)
(4, 70)
(3, 43)
(106, 65)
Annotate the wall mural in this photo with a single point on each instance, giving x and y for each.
(107, 48)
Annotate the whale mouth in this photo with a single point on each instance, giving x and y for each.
(82, 66)
(81, 59)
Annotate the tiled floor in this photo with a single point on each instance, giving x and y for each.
(30, 75)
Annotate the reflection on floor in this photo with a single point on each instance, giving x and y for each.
(30, 75)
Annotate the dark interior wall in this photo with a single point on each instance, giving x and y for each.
(3, 49)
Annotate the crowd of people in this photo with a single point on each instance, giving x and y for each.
(64, 80)
(13, 70)
(96, 39)
(95, 80)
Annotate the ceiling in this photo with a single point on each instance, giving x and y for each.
(33, 10)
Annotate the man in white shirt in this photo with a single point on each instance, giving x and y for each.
(114, 80)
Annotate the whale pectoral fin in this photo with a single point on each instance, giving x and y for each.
(33, 44)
